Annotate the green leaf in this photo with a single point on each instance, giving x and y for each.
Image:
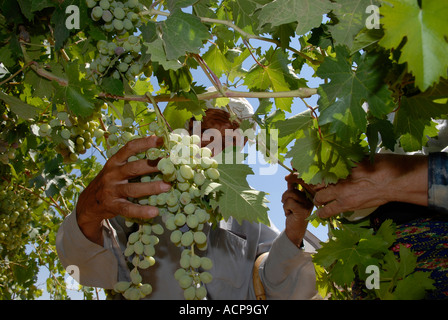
(323, 159)
(183, 33)
(400, 279)
(113, 86)
(348, 19)
(294, 124)
(77, 102)
(350, 248)
(307, 13)
(426, 30)
(414, 123)
(216, 60)
(349, 88)
(236, 198)
(274, 74)
(243, 14)
(21, 109)
(155, 49)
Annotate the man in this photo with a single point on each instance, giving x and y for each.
(94, 236)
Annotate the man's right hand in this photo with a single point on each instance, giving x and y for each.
(107, 195)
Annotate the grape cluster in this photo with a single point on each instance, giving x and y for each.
(16, 205)
(7, 147)
(119, 56)
(182, 209)
(73, 136)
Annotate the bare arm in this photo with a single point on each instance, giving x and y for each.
(391, 177)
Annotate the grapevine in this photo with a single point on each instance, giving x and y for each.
(71, 92)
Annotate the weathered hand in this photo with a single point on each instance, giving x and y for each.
(297, 208)
(390, 177)
(107, 195)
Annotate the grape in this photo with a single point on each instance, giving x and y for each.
(180, 219)
(190, 293)
(146, 289)
(65, 134)
(212, 173)
(185, 281)
(118, 12)
(200, 237)
(206, 263)
(118, 24)
(195, 261)
(138, 247)
(201, 292)
(176, 236)
(91, 3)
(127, 24)
(179, 273)
(132, 3)
(97, 13)
(107, 16)
(192, 221)
(187, 239)
(206, 277)
(186, 172)
(104, 4)
(184, 261)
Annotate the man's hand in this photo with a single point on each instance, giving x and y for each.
(391, 177)
(297, 208)
(107, 195)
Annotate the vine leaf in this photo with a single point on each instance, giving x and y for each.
(274, 74)
(323, 159)
(426, 30)
(349, 88)
(353, 246)
(20, 108)
(307, 13)
(235, 197)
(414, 121)
(349, 18)
(182, 33)
(155, 49)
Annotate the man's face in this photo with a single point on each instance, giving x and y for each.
(215, 126)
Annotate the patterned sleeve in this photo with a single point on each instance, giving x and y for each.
(438, 181)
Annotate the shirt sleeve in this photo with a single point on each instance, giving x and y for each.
(288, 272)
(93, 265)
(438, 181)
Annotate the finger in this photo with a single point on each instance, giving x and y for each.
(294, 194)
(137, 168)
(312, 189)
(142, 189)
(292, 179)
(135, 147)
(292, 206)
(288, 206)
(131, 210)
(324, 196)
(329, 210)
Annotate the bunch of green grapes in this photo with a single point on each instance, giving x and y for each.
(183, 211)
(73, 135)
(16, 206)
(9, 142)
(119, 56)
